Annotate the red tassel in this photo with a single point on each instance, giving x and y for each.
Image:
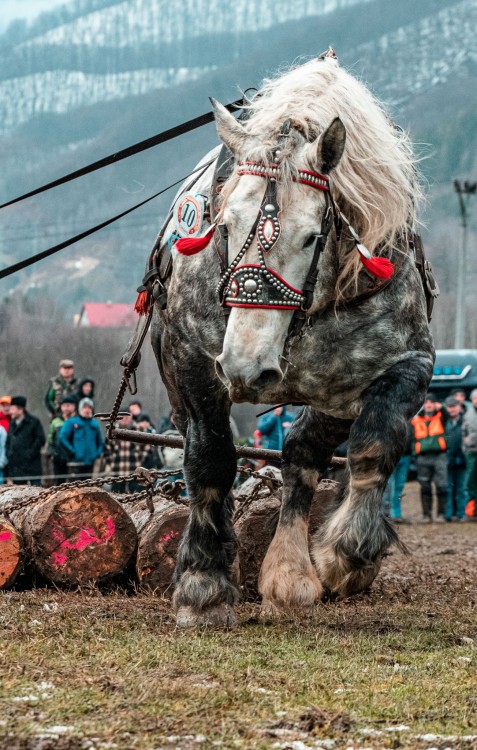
(143, 303)
(382, 268)
(193, 245)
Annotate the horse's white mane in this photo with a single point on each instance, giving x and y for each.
(375, 183)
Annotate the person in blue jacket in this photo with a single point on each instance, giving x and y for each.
(274, 426)
(82, 439)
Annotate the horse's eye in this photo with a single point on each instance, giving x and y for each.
(310, 241)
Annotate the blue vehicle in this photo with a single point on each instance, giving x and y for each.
(454, 368)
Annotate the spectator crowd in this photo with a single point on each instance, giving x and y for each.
(74, 445)
(442, 441)
(442, 445)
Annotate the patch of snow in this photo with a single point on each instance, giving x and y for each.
(398, 728)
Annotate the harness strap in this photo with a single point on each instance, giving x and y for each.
(424, 267)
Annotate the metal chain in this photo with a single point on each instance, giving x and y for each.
(170, 490)
(141, 475)
(270, 482)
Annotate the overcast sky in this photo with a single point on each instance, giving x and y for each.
(11, 9)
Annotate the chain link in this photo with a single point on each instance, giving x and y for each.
(170, 490)
(140, 475)
(268, 481)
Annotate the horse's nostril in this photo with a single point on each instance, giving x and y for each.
(220, 371)
(267, 379)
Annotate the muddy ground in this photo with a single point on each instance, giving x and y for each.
(392, 668)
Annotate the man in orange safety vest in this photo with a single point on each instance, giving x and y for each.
(429, 447)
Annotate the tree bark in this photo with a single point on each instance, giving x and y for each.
(72, 535)
(11, 553)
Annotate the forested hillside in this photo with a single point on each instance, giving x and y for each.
(95, 76)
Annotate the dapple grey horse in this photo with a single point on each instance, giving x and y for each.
(311, 258)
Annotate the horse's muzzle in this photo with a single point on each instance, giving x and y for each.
(249, 381)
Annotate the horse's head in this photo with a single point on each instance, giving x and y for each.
(276, 216)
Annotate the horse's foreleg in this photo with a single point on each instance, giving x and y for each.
(204, 592)
(349, 549)
(287, 577)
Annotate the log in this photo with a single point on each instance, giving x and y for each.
(159, 535)
(11, 553)
(257, 510)
(72, 535)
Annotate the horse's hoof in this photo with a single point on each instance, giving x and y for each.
(270, 612)
(221, 616)
(338, 576)
(286, 589)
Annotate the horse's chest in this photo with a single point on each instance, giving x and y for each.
(329, 370)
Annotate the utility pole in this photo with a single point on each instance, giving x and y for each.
(463, 193)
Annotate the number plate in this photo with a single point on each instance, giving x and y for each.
(189, 215)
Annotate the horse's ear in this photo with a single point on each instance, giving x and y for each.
(329, 146)
(230, 132)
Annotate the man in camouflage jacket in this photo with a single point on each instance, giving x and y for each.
(63, 384)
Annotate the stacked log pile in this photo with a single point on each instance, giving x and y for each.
(76, 534)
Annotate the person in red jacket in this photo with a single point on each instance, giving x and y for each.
(5, 402)
(429, 447)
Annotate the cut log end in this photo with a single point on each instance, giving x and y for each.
(11, 553)
(80, 534)
(157, 550)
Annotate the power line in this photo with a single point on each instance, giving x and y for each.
(125, 153)
(51, 235)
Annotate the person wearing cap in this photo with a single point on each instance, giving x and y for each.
(81, 439)
(456, 469)
(5, 402)
(150, 460)
(25, 440)
(459, 394)
(469, 440)
(135, 409)
(56, 450)
(429, 447)
(61, 385)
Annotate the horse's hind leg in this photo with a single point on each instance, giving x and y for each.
(287, 577)
(204, 593)
(349, 549)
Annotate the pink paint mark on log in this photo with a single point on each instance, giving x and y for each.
(59, 558)
(168, 536)
(80, 539)
(5, 536)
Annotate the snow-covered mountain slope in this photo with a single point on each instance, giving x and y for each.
(135, 22)
(61, 91)
(416, 57)
(132, 47)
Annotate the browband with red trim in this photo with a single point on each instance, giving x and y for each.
(273, 172)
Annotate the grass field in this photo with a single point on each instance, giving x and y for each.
(394, 668)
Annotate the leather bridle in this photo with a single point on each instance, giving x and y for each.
(257, 285)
